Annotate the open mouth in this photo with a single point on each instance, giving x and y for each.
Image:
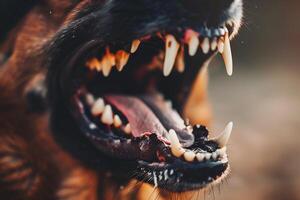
(128, 101)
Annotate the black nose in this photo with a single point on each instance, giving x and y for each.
(206, 8)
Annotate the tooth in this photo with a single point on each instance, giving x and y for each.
(172, 136)
(200, 157)
(169, 104)
(221, 152)
(227, 55)
(172, 47)
(117, 121)
(135, 45)
(214, 156)
(189, 156)
(94, 63)
(177, 151)
(90, 100)
(111, 58)
(98, 107)
(205, 45)
(180, 65)
(176, 148)
(193, 44)
(107, 116)
(221, 46)
(106, 66)
(121, 59)
(214, 44)
(127, 129)
(223, 138)
(207, 156)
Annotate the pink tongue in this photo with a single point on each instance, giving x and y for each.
(140, 117)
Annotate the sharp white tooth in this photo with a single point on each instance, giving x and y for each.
(172, 47)
(106, 66)
(90, 100)
(214, 156)
(227, 55)
(223, 138)
(117, 121)
(107, 116)
(207, 156)
(180, 65)
(200, 157)
(214, 44)
(135, 45)
(189, 156)
(172, 137)
(121, 59)
(193, 44)
(127, 129)
(98, 107)
(176, 148)
(221, 46)
(205, 45)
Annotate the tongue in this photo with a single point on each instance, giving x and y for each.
(151, 115)
(141, 118)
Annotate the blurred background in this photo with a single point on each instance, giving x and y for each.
(262, 98)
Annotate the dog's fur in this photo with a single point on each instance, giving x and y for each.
(32, 164)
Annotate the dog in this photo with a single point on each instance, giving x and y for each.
(106, 99)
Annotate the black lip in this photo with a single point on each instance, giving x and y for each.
(180, 177)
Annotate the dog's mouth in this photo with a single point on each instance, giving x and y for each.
(128, 101)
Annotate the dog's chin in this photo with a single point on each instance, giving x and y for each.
(127, 102)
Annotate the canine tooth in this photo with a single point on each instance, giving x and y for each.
(172, 136)
(98, 107)
(107, 116)
(172, 47)
(221, 46)
(223, 138)
(121, 59)
(135, 45)
(117, 121)
(193, 44)
(214, 44)
(176, 148)
(207, 156)
(180, 65)
(90, 99)
(205, 45)
(200, 157)
(227, 55)
(127, 129)
(189, 156)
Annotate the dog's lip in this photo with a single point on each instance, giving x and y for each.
(179, 177)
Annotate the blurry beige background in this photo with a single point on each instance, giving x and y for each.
(263, 100)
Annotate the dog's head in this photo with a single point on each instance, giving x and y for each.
(119, 78)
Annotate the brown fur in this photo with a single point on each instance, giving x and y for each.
(32, 165)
